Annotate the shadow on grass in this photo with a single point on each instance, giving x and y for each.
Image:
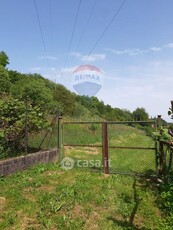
(125, 224)
(130, 224)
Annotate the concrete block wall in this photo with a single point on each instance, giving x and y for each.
(13, 165)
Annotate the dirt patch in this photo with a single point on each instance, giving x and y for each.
(47, 188)
(50, 173)
(1, 220)
(2, 203)
(79, 211)
(28, 195)
(91, 222)
(28, 223)
(87, 150)
(138, 221)
(90, 150)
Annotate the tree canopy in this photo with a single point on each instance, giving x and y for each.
(140, 114)
(4, 60)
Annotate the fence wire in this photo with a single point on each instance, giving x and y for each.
(47, 138)
(82, 142)
(132, 148)
(131, 145)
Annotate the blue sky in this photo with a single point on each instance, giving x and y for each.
(135, 54)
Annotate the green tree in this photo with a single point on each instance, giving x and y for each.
(65, 99)
(4, 60)
(140, 114)
(35, 89)
(4, 77)
(15, 76)
(12, 123)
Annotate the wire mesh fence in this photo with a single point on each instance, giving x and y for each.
(131, 146)
(82, 142)
(47, 138)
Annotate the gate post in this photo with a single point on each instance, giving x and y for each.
(60, 138)
(105, 156)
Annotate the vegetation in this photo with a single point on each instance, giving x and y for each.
(12, 123)
(45, 99)
(47, 197)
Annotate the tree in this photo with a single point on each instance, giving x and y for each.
(4, 77)
(140, 114)
(35, 89)
(4, 60)
(4, 81)
(12, 123)
(65, 99)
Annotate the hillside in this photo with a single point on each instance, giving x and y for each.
(51, 96)
(45, 99)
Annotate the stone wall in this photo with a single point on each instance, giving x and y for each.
(13, 165)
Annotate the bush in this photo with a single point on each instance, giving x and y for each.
(12, 124)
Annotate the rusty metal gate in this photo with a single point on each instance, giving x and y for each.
(113, 147)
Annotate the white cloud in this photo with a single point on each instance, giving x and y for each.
(68, 70)
(93, 57)
(133, 96)
(52, 58)
(130, 52)
(148, 86)
(169, 45)
(35, 69)
(42, 69)
(58, 75)
(76, 54)
(88, 58)
(156, 49)
(134, 52)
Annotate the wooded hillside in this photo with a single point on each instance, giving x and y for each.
(51, 97)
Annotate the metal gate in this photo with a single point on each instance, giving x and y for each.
(113, 147)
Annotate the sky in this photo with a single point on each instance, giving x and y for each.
(133, 49)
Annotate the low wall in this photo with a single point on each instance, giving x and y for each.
(13, 165)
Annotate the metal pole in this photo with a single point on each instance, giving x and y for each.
(159, 117)
(60, 137)
(156, 156)
(26, 127)
(105, 156)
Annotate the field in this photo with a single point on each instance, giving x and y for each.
(124, 158)
(49, 197)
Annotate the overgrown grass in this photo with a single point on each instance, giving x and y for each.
(120, 136)
(47, 197)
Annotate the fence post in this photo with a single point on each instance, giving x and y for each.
(105, 156)
(162, 158)
(159, 121)
(156, 155)
(60, 138)
(26, 126)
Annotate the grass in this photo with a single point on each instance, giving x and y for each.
(120, 135)
(48, 197)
